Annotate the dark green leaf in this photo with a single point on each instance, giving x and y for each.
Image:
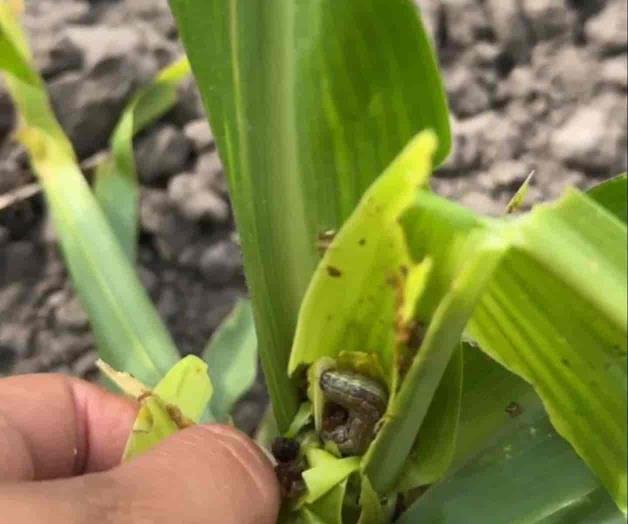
(526, 476)
(611, 195)
(435, 445)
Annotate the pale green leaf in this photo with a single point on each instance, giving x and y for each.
(386, 458)
(115, 185)
(13, 55)
(314, 392)
(232, 359)
(23, 82)
(128, 330)
(303, 417)
(186, 386)
(365, 285)
(178, 401)
(325, 472)
(328, 508)
(554, 313)
(519, 197)
(350, 303)
(152, 425)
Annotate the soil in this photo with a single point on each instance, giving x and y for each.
(534, 85)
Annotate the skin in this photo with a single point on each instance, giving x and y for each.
(61, 440)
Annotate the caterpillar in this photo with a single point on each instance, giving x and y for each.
(354, 405)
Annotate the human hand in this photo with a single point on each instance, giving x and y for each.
(61, 440)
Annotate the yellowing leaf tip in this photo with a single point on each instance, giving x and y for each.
(416, 158)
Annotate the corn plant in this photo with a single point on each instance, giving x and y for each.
(424, 363)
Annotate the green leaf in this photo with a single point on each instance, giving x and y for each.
(526, 476)
(152, 425)
(372, 510)
(176, 402)
(558, 319)
(386, 458)
(439, 229)
(326, 472)
(434, 446)
(232, 359)
(115, 184)
(267, 429)
(612, 195)
(128, 330)
(350, 303)
(13, 54)
(303, 416)
(187, 386)
(328, 508)
(499, 476)
(596, 507)
(519, 197)
(554, 313)
(343, 87)
(156, 99)
(492, 401)
(23, 82)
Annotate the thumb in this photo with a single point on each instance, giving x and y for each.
(208, 473)
(203, 474)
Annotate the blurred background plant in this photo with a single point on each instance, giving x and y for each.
(98, 229)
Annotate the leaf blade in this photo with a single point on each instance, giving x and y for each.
(115, 184)
(231, 356)
(293, 129)
(386, 458)
(128, 330)
(531, 460)
(554, 316)
(612, 195)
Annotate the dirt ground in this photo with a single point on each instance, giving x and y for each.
(533, 85)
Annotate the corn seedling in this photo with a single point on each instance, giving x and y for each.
(424, 363)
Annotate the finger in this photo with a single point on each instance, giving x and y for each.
(57, 426)
(204, 474)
